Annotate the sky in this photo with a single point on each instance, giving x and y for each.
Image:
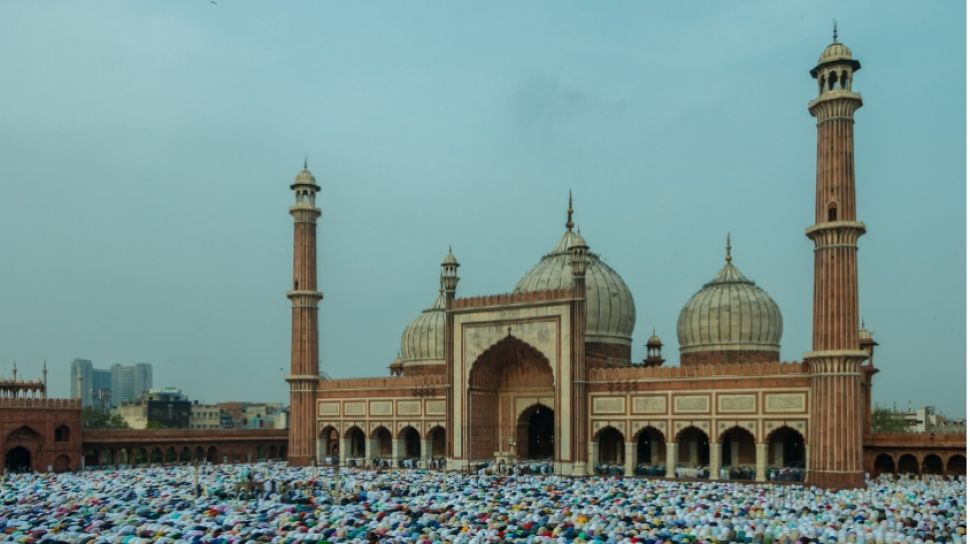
(147, 150)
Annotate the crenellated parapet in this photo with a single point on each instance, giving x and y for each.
(525, 297)
(42, 403)
(699, 371)
(383, 382)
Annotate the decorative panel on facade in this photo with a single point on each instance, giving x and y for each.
(785, 402)
(609, 405)
(380, 408)
(356, 408)
(329, 409)
(744, 404)
(409, 407)
(435, 407)
(650, 405)
(692, 404)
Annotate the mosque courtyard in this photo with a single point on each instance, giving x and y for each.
(271, 502)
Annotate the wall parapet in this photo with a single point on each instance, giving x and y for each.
(104, 436)
(512, 298)
(699, 371)
(911, 440)
(47, 404)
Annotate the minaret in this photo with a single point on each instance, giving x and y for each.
(836, 427)
(449, 285)
(304, 349)
(579, 398)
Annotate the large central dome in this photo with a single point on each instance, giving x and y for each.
(610, 312)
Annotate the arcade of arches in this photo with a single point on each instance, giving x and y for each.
(179, 446)
(918, 464)
(408, 443)
(734, 456)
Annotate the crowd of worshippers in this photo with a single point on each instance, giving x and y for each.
(272, 502)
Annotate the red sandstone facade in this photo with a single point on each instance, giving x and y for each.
(522, 375)
(40, 434)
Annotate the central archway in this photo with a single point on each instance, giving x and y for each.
(507, 381)
(537, 433)
(18, 460)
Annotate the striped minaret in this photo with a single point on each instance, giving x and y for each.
(836, 426)
(304, 348)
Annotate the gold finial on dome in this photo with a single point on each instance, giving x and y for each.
(569, 212)
(727, 255)
(835, 30)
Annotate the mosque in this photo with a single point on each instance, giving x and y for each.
(545, 372)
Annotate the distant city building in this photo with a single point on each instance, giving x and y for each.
(108, 388)
(205, 416)
(129, 382)
(254, 415)
(926, 420)
(158, 408)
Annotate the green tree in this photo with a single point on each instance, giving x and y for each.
(94, 418)
(885, 420)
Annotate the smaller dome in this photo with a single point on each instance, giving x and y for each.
(423, 340)
(865, 337)
(835, 51)
(654, 340)
(450, 259)
(577, 241)
(729, 314)
(304, 178)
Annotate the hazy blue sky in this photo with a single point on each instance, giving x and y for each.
(147, 147)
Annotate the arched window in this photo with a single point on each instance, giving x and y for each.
(832, 80)
(833, 211)
(844, 80)
(62, 433)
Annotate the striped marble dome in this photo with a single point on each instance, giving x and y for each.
(610, 312)
(423, 340)
(730, 313)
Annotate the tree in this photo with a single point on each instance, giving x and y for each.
(885, 420)
(94, 418)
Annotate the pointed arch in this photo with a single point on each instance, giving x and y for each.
(907, 464)
(884, 464)
(956, 465)
(610, 443)
(737, 448)
(536, 432)
(328, 443)
(786, 448)
(411, 442)
(509, 366)
(62, 433)
(693, 447)
(382, 446)
(438, 438)
(932, 464)
(355, 442)
(651, 446)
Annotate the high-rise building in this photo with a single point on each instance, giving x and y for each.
(108, 388)
(81, 380)
(129, 382)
